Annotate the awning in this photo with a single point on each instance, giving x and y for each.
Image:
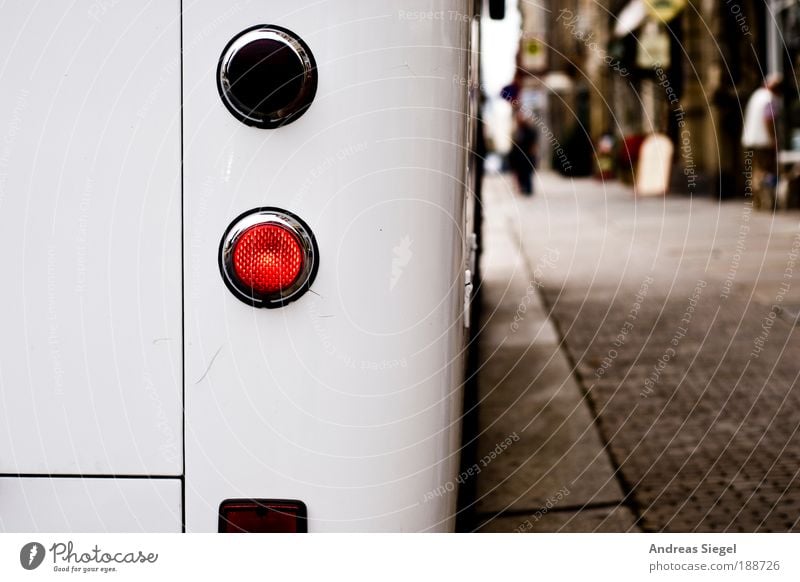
(630, 18)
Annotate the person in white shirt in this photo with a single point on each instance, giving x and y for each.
(759, 139)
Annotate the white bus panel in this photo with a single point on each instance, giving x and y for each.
(90, 305)
(347, 399)
(90, 505)
(118, 353)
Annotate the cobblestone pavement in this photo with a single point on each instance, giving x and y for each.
(679, 318)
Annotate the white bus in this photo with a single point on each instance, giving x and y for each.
(237, 255)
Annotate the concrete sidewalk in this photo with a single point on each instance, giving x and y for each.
(680, 412)
(555, 475)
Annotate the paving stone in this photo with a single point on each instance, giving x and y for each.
(705, 423)
(609, 520)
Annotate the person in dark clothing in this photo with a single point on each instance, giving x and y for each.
(522, 157)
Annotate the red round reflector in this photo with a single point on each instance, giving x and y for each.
(267, 258)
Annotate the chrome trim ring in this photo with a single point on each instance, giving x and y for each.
(262, 216)
(268, 118)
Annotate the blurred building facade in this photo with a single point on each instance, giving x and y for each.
(685, 68)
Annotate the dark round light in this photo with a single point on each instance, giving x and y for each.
(267, 76)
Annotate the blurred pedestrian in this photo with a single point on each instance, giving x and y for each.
(759, 137)
(524, 149)
(513, 90)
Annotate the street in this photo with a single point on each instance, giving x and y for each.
(642, 355)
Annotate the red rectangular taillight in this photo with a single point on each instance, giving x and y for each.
(263, 516)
